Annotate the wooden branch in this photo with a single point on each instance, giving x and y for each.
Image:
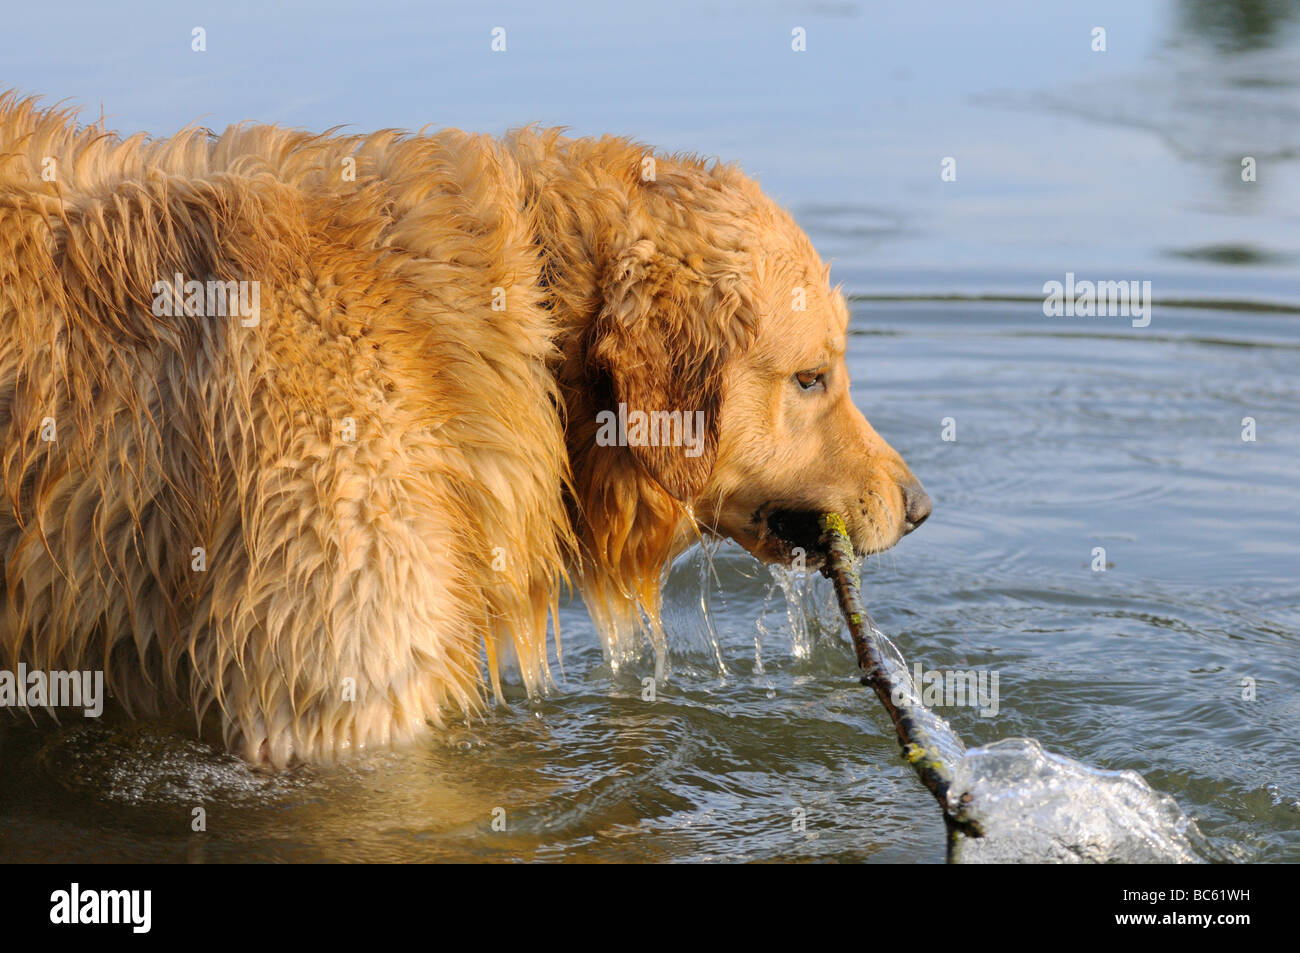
(919, 749)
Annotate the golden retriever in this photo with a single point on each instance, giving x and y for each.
(298, 431)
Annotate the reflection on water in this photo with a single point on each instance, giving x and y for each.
(1233, 255)
(1235, 27)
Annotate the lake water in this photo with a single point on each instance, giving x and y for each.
(1071, 434)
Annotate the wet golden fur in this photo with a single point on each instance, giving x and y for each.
(467, 305)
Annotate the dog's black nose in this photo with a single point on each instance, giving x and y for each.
(916, 506)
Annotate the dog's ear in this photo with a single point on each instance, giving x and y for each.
(665, 332)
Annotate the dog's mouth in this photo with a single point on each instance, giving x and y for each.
(788, 535)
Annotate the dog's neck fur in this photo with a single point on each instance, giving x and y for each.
(629, 527)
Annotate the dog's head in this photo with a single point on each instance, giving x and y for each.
(719, 348)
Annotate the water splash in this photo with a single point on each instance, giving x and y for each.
(939, 737)
(810, 612)
(794, 587)
(1035, 806)
(708, 579)
(149, 763)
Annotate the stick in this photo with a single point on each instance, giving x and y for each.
(918, 748)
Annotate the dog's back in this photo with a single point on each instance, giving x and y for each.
(261, 406)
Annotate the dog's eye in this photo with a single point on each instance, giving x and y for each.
(810, 380)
